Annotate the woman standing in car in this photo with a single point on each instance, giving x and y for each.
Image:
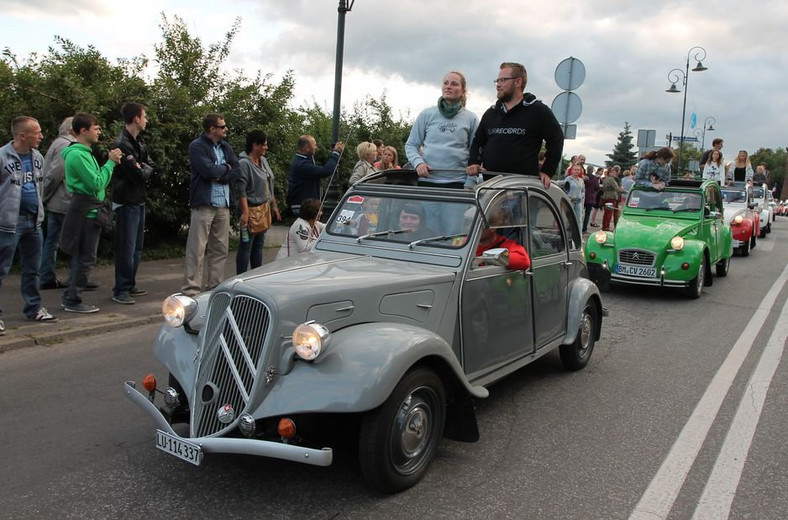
(740, 170)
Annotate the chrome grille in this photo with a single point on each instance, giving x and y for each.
(232, 352)
(636, 257)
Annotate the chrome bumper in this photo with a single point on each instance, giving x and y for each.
(276, 450)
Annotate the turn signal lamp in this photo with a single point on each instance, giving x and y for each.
(286, 428)
(149, 383)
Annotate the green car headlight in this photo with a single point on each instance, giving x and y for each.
(310, 339)
(600, 237)
(677, 243)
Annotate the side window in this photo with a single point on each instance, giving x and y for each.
(546, 236)
(571, 225)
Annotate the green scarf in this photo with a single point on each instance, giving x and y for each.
(448, 111)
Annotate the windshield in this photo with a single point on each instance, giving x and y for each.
(386, 218)
(665, 200)
(757, 192)
(734, 196)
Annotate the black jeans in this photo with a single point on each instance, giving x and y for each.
(82, 262)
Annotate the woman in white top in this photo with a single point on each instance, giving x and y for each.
(714, 168)
(304, 232)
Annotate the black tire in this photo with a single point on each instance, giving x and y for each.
(576, 356)
(762, 233)
(744, 249)
(753, 240)
(723, 266)
(695, 288)
(769, 227)
(398, 440)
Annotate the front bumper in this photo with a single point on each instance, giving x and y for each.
(602, 276)
(276, 450)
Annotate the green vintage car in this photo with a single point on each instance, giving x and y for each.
(665, 238)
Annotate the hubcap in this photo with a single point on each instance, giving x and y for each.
(412, 431)
(585, 334)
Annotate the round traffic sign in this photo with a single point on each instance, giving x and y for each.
(570, 73)
(567, 107)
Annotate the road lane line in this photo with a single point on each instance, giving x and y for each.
(661, 493)
(720, 490)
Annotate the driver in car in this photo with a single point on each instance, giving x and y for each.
(491, 239)
(413, 217)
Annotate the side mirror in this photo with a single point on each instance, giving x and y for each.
(497, 256)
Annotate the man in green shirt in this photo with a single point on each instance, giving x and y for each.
(87, 182)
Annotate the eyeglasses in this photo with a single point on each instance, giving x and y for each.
(501, 80)
(221, 127)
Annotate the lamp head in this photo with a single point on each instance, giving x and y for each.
(673, 89)
(699, 67)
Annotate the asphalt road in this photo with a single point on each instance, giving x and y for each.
(665, 422)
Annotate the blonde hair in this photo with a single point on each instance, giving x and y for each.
(395, 161)
(365, 148)
(463, 83)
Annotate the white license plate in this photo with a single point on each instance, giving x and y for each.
(187, 451)
(636, 270)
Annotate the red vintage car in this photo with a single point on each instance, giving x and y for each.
(741, 216)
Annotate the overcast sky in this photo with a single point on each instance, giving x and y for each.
(404, 48)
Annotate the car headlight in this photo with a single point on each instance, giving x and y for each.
(309, 340)
(178, 309)
(738, 219)
(677, 243)
(600, 237)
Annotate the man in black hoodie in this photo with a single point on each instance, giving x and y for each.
(511, 132)
(128, 201)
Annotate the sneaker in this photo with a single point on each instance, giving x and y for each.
(91, 286)
(43, 316)
(2, 328)
(136, 291)
(125, 299)
(81, 308)
(56, 284)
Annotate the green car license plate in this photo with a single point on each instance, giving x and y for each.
(175, 446)
(637, 270)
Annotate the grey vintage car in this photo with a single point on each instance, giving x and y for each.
(393, 323)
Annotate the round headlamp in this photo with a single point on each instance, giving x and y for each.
(738, 219)
(177, 309)
(600, 237)
(677, 243)
(309, 340)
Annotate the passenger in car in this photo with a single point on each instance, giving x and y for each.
(491, 239)
(304, 232)
(413, 217)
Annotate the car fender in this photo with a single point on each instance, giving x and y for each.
(581, 291)
(359, 370)
(176, 349)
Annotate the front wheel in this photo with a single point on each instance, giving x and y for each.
(723, 266)
(695, 288)
(744, 248)
(576, 355)
(398, 440)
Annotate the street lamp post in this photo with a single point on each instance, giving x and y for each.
(708, 124)
(344, 7)
(677, 74)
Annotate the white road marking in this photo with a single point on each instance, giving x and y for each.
(661, 493)
(717, 497)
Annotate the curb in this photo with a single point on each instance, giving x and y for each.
(59, 336)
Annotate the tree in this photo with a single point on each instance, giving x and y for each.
(623, 152)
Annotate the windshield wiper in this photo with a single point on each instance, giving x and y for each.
(435, 239)
(685, 209)
(381, 233)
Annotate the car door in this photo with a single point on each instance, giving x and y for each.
(496, 316)
(550, 268)
(712, 222)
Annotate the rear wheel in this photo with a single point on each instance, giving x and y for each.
(723, 266)
(576, 355)
(695, 288)
(398, 440)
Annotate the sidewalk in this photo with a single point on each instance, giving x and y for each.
(159, 277)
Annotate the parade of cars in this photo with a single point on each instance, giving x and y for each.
(671, 237)
(394, 329)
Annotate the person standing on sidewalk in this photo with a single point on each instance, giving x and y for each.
(56, 199)
(128, 202)
(611, 194)
(213, 165)
(22, 212)
(303, 182)
(253, 187)
(87, 183)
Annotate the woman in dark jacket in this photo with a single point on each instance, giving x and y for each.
(592, 189)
